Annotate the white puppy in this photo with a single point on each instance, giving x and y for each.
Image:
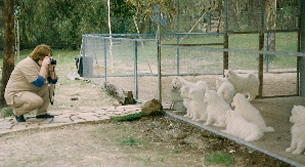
(297, 131)
(225, 89)
(239, 127)
(244, 84)
(178, 82)
(216, 109)
(249, 112)
(197, 105)
(184, 92)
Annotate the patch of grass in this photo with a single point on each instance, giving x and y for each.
(177, 151)
(130, 142)
(6, 112)
(129, 117)
(220, 159)
(145, 160)
(161, 159)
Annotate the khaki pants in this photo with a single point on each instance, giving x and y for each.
(26, 102)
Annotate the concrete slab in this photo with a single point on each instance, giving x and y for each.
(61, 120)
(5, 125)
(34, 120)
(88, 117)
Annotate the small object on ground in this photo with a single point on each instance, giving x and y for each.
(74, 98)
(124, 97)
(46, 116)
(152, 107)
(73, 75)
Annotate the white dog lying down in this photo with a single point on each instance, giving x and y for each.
(244, 84)
(216, 109)
(249, 112)
(237, 126)
(225, 89)
(297, 131)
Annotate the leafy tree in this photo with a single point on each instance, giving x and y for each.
(61, 23)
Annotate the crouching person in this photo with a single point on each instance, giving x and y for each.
(28, 86)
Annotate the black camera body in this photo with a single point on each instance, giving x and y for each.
(52, 61)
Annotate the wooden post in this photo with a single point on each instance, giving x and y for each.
(302, 49)
(159, 57)
(226, 37)
(261, 47)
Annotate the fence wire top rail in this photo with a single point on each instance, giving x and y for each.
(123, 39)
(299, 54)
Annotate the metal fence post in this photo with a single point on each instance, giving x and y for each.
(302, 49)
(267, 49)
(178, 55)
(105, 57)
(226, 37)
(136, 68)
(261, 47)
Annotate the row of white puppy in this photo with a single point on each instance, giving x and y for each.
(215, 107)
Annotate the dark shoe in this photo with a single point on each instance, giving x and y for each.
(20, 118)
(45, 116)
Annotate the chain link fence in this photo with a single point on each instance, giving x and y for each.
(245, 36)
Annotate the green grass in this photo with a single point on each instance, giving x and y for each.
(129, 117)
(63, 56)
(6, 112)
(131, 142)
(176, 151)
(124, 53)
(236, 60)
(220, 159)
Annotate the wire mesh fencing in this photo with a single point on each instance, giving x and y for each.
(132, 63)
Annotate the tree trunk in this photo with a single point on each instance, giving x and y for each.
(110, 35)
(271, 22)
(9, 47)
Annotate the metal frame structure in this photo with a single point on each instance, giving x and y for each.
(300, 54)
(300, 68)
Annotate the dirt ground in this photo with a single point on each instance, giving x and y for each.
(149, 141)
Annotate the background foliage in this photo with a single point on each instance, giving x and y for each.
(61, 23)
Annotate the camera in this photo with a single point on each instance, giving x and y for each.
(53, 61)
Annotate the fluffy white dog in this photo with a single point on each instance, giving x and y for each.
(297, 131)
(244, 84)
(216, 109)
(249, 112)
(178, 82)
(239, 127)
(197, 105)
(185, 86)
(184, 92)
(225, 89)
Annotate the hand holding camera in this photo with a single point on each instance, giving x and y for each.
(52, 64)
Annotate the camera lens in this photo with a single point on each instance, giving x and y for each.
(53, 61)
